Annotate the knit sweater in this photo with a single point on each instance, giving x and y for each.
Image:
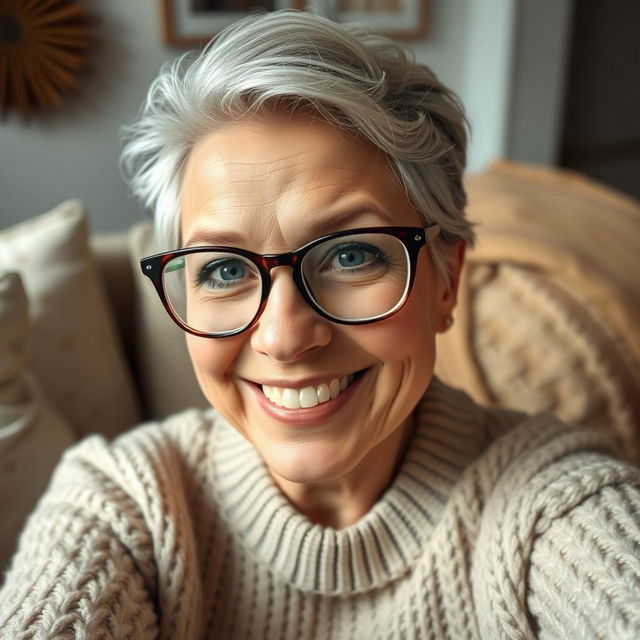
(496, 525)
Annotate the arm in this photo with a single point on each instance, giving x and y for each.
(584, 573)
(74, 575)
(532, 537)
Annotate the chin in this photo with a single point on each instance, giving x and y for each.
(306, 462)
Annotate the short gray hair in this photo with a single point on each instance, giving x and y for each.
(355, 79)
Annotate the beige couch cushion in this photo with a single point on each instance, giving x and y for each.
(167, 381)
(32, 434)
(76, 355)
(111, 252)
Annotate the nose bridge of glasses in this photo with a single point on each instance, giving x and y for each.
(292, 260)
(271, 261)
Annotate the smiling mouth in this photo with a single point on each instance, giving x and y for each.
(310, 396)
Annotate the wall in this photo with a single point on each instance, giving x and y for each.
(73, 152)
(538, 80)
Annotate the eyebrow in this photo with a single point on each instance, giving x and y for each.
(223, 238)
(318, 228)
(323, 226)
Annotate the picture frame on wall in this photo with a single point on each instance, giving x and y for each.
(399, 19)
(195, 22)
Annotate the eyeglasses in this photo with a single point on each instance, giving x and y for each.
(351, 277)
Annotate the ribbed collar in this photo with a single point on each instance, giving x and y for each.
(381, 546)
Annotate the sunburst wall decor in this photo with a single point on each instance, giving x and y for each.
(43, 45)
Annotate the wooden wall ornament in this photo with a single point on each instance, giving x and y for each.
(43, 45)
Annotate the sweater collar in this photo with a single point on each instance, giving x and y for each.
(382, 545)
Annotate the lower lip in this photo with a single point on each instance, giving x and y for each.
(311, 416)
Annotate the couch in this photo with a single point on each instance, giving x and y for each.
(548, 319)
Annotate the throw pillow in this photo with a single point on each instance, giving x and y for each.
(32, 434)
(77, 358)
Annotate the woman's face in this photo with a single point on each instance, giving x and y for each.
(270, 186)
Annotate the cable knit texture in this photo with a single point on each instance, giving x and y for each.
(497, 525)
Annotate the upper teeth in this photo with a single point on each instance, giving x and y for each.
(309, 396)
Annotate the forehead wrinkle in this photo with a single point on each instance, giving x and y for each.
(291, 159)
(261, 170)
(341, 178)
(333, 193)
(217, 210)
(227, 196)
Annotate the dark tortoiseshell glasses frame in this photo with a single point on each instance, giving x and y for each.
(413, 239)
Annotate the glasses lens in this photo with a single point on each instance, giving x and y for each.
(358, 277)
(213, 292)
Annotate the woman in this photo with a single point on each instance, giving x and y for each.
(306, 183)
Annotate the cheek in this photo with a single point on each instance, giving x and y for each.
(205, 354)
(409, 335)
(212, 361)
(402, 338)
(405, 347)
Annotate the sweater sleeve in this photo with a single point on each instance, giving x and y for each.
(76, 575)
(584, 572)
(557, 552)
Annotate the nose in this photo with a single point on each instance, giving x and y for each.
(288, 327)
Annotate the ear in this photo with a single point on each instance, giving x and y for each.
(455, 261)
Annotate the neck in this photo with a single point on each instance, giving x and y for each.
(341, 502)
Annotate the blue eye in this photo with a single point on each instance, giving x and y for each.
(351, 258)
(231, 271)
(354, 255)
(222, 273)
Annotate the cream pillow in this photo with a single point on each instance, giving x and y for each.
(168, 383)
(32, 434)
(77, 358)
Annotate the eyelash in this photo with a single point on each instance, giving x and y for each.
(378, 255)
(203, 276)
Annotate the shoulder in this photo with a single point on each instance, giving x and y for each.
(509, 453)
(149, 444)
(115, 532)
(545, 484)
(540, 470)
(136, 469)
(550, 467)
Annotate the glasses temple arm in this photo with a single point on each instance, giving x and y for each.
(433, 231)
